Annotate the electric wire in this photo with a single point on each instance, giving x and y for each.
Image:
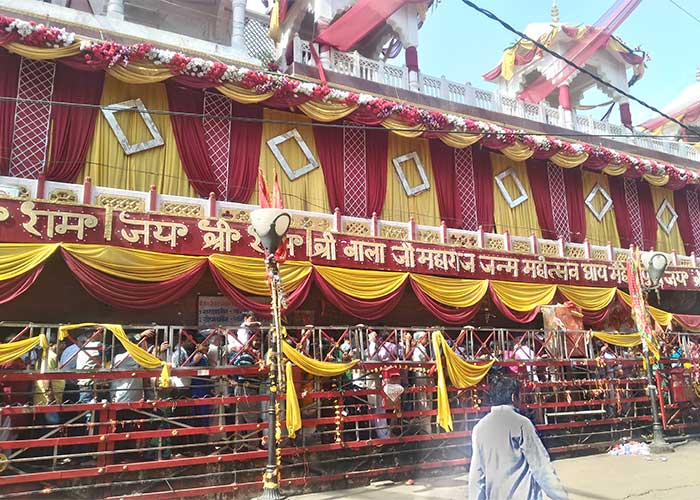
(582, 69)
(690, 14)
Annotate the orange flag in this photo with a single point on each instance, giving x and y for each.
(263, 194)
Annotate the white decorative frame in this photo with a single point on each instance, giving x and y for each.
(598, 189)
(411, 190)
(512, 203)
(138, 105)
(674, 217)
(274, 143)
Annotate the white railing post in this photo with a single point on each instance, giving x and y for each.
(497, 102)
(444, 88)
(298, 50)
(404, 78)
(541, 115)
(356, 64)
(469, 95)
(381, 73)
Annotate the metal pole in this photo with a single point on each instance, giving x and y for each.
(271, 489)
(659, 444)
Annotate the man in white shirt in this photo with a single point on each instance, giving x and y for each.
(126, 390)
(509, 462)
(238, 341)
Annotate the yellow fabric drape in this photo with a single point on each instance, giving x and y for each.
(362, 283)
(326, 111)
(661, 317)
(523, 296)
(666, 242)
(603, 231)
(521, 220)
(398, 206)
(248, 273)
(133, 264)
(587, 297)
(453, 292)
(518, 152)
(43, 53)
(242, 95)
(13, 350)
(19, 258)
(140, 355)
(106, 163)
(615, 170)
(403, 129)
(460, 141)
(307, 192)
(569, 161)
(462, 375)
(313, 367)
(619, 339)
(656, 180)
(138, 73)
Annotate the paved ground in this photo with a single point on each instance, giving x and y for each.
(598, 477)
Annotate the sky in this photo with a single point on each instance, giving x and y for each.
(462, 44)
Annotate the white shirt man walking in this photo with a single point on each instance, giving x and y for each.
(509, 462)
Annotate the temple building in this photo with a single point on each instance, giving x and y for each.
(135, 136)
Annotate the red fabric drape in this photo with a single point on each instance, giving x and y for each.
(376, 148)
(329, 145)
(622, 216)
(576, 209)
(358, 308)
(538, 175)
(294, 299)
(684, 224)
(244, 155)
(689, 321)
(483, 183)
(648, 214)
(450, 315)
(125, 294)
(9, 76)
(595, 318)
(72, 127)
(517, 316)
(443, 159)
(189, 136)
(13, 288)
(362, 18)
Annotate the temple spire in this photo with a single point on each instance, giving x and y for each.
(555, 11)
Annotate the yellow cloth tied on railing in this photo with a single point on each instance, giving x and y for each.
(140, 355)
(462, 375)
(313, 367)
(619, 339)
(13, 350)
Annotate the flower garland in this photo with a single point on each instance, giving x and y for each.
(108, 54)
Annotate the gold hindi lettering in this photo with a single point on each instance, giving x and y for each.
(404, 255)
(144, 230)
(57, 222)
(219, 236)
(594, 272)
(361, 251)
(321, 246)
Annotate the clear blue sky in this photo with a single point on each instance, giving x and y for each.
(462, 44)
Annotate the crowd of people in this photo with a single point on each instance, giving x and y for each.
(384, 390)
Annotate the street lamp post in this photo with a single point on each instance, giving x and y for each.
(271, 224)
(655, 265)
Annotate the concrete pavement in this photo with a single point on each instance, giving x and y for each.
(597, 477)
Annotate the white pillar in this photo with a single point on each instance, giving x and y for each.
(115, 8)
(238, 24)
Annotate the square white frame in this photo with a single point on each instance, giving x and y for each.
(599, 214)
(274, 143)
(512, 203)
(674, 217)
(137, 104)
(398, 166)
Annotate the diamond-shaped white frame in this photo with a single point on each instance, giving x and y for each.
(140, 108)
(398, 166)
(512, 203)
(274, 143)
(667, 227)
(599, 190)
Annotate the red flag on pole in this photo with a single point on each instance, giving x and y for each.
(276, 193)
(263, 194)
